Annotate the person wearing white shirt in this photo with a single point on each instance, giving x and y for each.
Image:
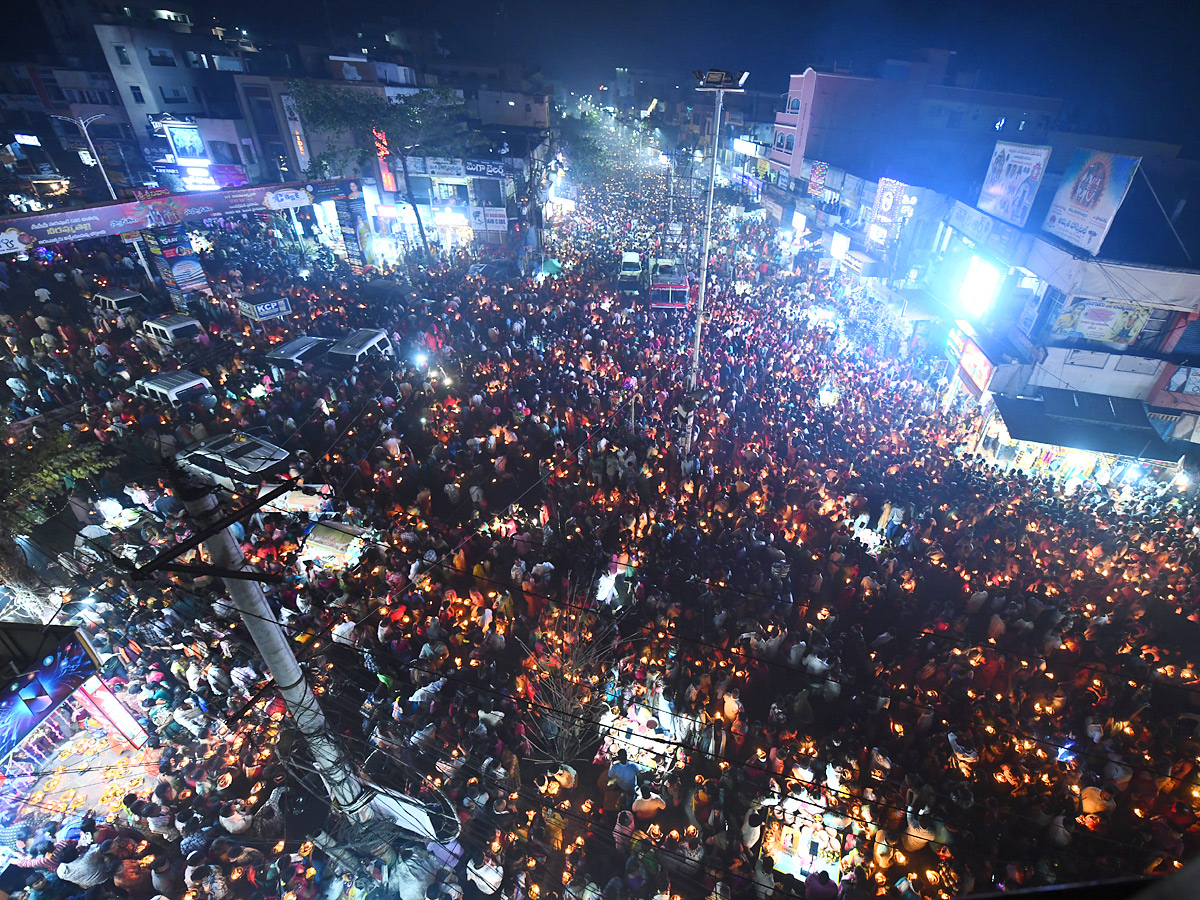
(648, 804)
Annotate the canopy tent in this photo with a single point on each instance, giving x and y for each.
(552, 267)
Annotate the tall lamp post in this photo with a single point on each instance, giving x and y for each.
(83, 125)
(719, 83)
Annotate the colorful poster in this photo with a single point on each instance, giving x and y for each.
(111, 219)
(816, 179)
(1092, 190)
(1100, 319)
(1012, 181)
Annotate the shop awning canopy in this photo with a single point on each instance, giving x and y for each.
(552, 267)
(1083, 421)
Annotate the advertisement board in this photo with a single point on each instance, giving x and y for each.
(485, 168)
(816, 179)
(177, 264)
(973, 364)
(258, 309)
(441, 167)
(1100, 319)
(186, 144)
(111, 219)
(1012, 181)
(1092, 190)
(992, 234)
(496, 219)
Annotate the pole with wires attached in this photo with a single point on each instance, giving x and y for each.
(345, 789)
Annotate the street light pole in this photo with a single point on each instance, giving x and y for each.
(717, 82)
(83, 124)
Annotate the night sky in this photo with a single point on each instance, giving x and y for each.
(1123, 67)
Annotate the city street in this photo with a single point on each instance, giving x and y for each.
(836, 643)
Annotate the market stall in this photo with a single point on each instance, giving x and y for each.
(799, 842)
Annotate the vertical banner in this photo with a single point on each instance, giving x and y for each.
(296, 130)
(816, 180)
(352, 220)
(1092, 190)
(1012, 181)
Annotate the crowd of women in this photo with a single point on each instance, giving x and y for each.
(625, 669)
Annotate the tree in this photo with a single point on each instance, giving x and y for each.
(429, 121)
(37, 470)
(566, 667)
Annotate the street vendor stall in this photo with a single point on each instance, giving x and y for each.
(334, 545)
(799, 842)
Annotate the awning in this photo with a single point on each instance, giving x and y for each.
(918, 305)
(1041, 422)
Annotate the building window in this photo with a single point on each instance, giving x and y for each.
(224, 153)
(173, 94)
(791, 143)
(794, 104)
(122, 54)
(136, 93)
(160, 56)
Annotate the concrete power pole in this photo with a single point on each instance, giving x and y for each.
(347, 792)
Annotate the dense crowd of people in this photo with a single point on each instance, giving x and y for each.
(622, 669)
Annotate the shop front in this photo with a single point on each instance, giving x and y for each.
(67, 743)
(1078, 438)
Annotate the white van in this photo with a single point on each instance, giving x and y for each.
(176, 388)
(360, 346)
(298, 353)
(112, 303)
(169, 332)
(629, 279)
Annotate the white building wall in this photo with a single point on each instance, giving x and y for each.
(1097, 373)
(1153, 287)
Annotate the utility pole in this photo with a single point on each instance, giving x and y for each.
(348, 794)
(717, 82)
(82, 125)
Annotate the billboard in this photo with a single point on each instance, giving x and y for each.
(1092, 190)
(1012, 181)
(112, 219)
(176, 262)
(186, 144)
(1100, 319)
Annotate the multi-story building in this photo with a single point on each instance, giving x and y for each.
(916, 124)
(32, 96)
